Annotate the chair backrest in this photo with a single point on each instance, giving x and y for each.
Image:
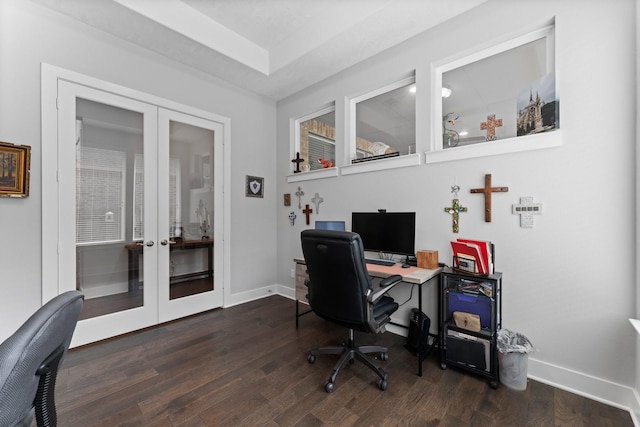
(338, 278)
(23, 353)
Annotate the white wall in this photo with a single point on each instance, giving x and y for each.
(569, 283)
(637, 206)
(30, 35)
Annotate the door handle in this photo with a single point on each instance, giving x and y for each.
(150, 243)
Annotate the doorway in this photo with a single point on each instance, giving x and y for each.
(139, 210)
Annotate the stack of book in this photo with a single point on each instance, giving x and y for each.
(473, 256)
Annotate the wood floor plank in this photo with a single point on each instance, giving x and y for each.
(247, 365)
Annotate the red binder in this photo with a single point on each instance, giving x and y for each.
(463, 250)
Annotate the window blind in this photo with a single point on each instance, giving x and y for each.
(100, 186)
(320, 148)
(138, 197)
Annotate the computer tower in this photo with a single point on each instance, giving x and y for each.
(415, 343)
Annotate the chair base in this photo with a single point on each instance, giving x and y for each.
(348, 353)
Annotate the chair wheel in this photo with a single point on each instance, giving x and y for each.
(383, 385)
(311, 358)
(443, 366)
(329, 387)
(384, 356)
(493, 384)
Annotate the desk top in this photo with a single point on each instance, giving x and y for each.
(410, 274)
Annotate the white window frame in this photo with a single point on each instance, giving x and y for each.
(437, 153)
(401, 161)
(294, 137)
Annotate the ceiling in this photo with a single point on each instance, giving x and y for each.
(271, 47)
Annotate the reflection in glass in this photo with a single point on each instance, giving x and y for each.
(386, 124)
(191, 208)
(505, 95)
(107, 140)
(318, 142)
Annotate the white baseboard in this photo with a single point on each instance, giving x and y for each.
(240, 298)
(102, 291)
(598, 389)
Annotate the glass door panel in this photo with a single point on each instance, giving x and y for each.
(108, 139)
(187, 171)
(190, 210)
(107, 222)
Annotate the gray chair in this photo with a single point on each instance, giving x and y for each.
(340, 290)
(29, 362)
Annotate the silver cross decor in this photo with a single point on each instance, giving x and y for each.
(317, 200)
(526, 209)
(299, 193)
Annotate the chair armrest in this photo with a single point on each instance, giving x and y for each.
(385, 285)
(391, 280)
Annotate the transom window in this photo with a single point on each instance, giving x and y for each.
(384, 122)
(316, 136)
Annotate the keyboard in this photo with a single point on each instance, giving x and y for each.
(384, 262)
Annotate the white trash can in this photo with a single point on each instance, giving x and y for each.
(513, 359)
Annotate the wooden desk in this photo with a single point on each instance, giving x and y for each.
(135, 251)
(410, 275)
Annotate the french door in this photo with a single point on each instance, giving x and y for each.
(137, 210)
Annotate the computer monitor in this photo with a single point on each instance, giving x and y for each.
(330, 225)
(387, 232)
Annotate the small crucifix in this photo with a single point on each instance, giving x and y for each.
(317, 200)
(299, 193)
(292, 218)
(455, 209)
(297, 161)
(490, 125)
(307, 212)
(487, 190)
(526, 209)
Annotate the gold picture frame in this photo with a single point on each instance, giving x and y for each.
(15, 167)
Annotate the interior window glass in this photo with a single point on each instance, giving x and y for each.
(386, 123)
(503, 96)
(316, 143)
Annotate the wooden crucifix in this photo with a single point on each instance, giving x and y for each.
(307, 211)
(487, 190)
(297, 161)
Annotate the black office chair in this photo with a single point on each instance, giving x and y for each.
(340, 290)
(29, 361)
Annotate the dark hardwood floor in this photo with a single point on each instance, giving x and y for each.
(247, 365)
(123, 301)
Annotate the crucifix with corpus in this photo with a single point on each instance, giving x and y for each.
(316, 201)
(487, 190)
(299, 194)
